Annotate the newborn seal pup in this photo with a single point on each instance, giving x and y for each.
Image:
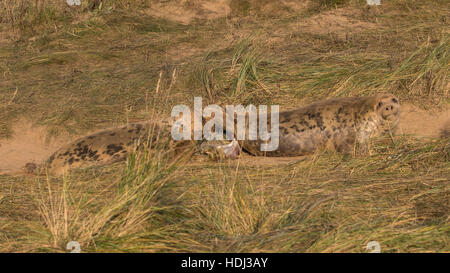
(340, 124)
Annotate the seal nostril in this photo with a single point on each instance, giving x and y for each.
(392, 107)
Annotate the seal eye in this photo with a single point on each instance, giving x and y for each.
(394, 100)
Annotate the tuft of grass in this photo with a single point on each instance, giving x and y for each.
(333, 3)
(132, 211)
(31, 15)
(245, 59)
(234, 77)
(425, 71)
(57, 212)
(421, 75)
(231, 206)
(210, 77)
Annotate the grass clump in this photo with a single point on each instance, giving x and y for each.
(134, 209)
(425, 71)
(233, 76)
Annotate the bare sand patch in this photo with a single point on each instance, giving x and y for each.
(185, 11)
(419, 122)
(27, 145)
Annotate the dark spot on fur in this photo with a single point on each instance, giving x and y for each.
(81, 150)
(80, 143)
(284, 131)
(338, 114)
(112, 134)
(295, 127)
(319, 120)
(113, 148)
(70, 161)
(303, 122)
(91, 137)
(50, 160)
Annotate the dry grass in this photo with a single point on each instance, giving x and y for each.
(108, 65)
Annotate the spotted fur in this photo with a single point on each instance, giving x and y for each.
(341, 124)
(103, 147)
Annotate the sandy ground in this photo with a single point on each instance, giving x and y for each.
(418, 122)
(186, 11)
(29, 144)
